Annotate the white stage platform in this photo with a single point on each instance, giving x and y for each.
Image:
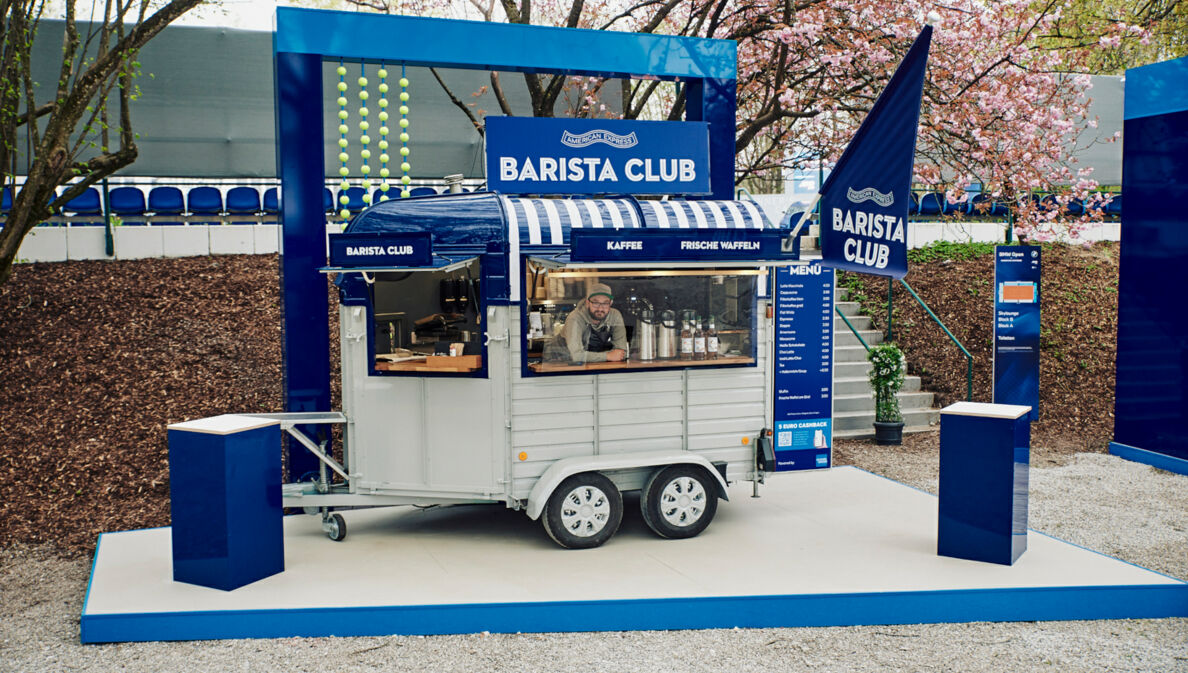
(837, 547)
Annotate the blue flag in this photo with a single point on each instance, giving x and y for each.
(865, 200)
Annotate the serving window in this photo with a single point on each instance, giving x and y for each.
(595, 320)
(427, 321)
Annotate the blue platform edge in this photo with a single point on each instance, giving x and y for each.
(923, 607)
(1159, 460)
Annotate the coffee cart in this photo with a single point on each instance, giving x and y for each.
(450, 309)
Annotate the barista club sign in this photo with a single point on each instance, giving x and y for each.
(527, 155)
(589, 245)
(381, 250)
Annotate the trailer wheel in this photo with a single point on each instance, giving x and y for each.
(584, 511)
(679, 501)
(335, 527)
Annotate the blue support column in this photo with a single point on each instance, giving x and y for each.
(1151, 390)
(984, 457)
(306, 359)
(225, 501)
(716, 101)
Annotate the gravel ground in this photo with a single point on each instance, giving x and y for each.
(1124, 509)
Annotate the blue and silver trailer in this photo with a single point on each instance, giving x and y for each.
(451, 310)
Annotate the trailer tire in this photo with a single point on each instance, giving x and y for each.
(335, 527)
(584, 511)
(679, 501)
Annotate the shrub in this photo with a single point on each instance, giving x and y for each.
(888, 367)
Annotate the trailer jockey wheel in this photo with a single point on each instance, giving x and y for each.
(584, 511)
(679, 501)
(335, 527)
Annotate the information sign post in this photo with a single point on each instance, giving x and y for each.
(1017, 326)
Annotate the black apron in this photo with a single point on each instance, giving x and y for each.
(599, 340)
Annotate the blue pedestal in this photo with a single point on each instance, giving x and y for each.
(984, 456)
(225, 500)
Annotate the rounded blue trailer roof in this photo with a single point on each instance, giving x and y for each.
(482, 217)
(452, 219)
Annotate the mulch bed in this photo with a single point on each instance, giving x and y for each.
(98, 357)
(1079, 307)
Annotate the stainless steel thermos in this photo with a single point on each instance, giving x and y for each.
(645, 330)
(666, 336)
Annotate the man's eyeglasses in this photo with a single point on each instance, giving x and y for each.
(600, 303)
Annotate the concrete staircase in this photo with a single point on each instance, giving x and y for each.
(853, 401)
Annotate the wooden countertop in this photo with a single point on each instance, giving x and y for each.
(454, 365)
(639, 364)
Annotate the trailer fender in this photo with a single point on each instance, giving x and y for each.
(567, 467)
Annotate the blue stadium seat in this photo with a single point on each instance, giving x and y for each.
(205, 201)
(985, 205)
(243, 201)
(271, 201)
(128, 202)
(329, 205)
(86, 209)
(1046, 202)
(422, 191)
(1075, 207)
(1114, 207)
(393, 193)
(166, 201)
(6, 201)
(932, 203)
(354, 202)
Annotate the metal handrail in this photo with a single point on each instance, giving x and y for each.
(968, 357)
(851, 326)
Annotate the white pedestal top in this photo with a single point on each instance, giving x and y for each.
(987, 410)
(225, 424)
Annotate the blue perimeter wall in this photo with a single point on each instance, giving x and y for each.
(1151, 400)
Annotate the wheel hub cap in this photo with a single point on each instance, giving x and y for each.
(585, 511)
(682, 502)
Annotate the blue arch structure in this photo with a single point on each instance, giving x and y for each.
(1151, 389)
(305, 38)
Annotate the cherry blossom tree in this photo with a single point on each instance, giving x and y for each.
(1004, 99)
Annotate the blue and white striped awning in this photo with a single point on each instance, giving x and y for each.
(548, 221)
(539, 222)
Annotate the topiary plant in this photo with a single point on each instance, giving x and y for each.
(887, 370)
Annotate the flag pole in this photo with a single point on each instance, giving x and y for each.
(808, 211)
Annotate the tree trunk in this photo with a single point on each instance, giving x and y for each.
(53, 162)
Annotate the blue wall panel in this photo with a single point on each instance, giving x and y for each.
(1151, 401)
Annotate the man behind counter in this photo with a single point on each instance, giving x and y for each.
(595, 332)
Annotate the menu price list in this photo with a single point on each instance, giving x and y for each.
(804, 342)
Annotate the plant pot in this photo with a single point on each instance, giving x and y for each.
(888, 433)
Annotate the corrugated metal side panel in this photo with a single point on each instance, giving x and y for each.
(553, 417)
(726, 406)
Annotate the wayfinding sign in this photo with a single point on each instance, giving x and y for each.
(535, 155)
(803, 380)
(1017, 326)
